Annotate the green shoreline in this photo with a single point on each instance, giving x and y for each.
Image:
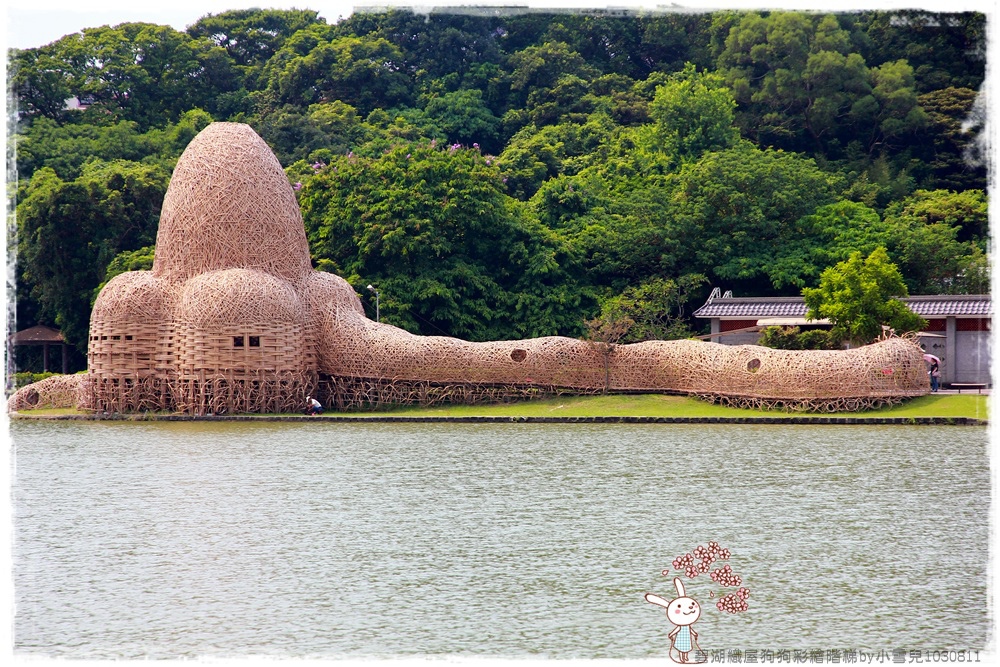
(962, 409)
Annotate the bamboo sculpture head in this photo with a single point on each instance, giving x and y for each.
(229, 205)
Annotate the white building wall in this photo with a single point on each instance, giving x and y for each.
(973, 356)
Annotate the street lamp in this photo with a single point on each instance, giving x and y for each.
(375, 291)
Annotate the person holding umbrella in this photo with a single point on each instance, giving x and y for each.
(934, 372)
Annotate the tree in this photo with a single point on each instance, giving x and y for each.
(793, 76)
(66, 148)
(948, 137)
(671, 39)
(931, 259)
(465, 118)
(69, 231)
(534, 155)
(294, 133)
(450, 252)
(802, 84)
(653, 310)
(944, 49)
(734, 212)
(892, 110)
(938, 238)
(616, 231)
(143, 72)
(859, 297)
(443, 43)
(252, 36)
(968, 211)
(823, 238)
(537, 68)
(367, 73)
(693, 113)
(40, 82)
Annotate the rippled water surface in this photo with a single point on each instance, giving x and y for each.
(173, 540)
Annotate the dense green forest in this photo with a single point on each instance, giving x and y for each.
(504, 175)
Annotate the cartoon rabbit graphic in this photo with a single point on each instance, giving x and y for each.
(682, 611)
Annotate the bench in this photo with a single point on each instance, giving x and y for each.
(978, 386)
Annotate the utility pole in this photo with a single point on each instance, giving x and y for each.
(375, 291)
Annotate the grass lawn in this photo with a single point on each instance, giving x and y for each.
(658, 405)
(940, 405)
(652, 405)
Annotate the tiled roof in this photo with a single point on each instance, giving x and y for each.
(753, 307)
(968, 305)
(961, 305)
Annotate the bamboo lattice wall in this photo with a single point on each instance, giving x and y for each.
(233, 319)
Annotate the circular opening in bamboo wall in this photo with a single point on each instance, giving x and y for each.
(753, 365)
(31, 397)
(518, 355)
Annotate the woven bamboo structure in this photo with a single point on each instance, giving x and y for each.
(58, 391)
(232, 318)
(221, 323)
(387, 365)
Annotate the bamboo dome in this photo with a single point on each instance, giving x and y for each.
(239, 297)
(240, 320)
(129, 328)
(229, 205)
(132, 297)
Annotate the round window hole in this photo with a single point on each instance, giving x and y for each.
(31, 397)
(753, 365)
(518, 355)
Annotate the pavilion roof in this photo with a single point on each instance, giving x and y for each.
(36, 335)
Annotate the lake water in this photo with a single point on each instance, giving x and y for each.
(182, 540)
